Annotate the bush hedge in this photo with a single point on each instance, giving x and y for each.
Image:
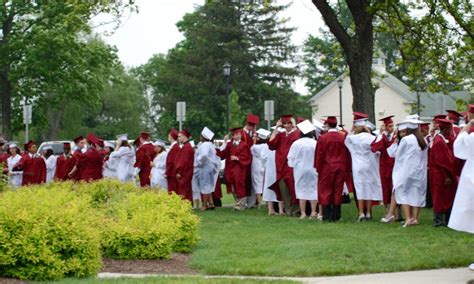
(61, 229)
(48, 233)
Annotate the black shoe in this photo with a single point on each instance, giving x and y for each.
(326, 213)
(336, 213)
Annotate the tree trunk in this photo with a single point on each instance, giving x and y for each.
(6, 97)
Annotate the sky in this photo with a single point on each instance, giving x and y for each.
(153, 29)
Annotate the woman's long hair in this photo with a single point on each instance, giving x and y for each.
(419, 137)
(48, 153)
(125, 144)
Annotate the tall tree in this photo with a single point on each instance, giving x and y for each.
(256, 43)
(39, 41)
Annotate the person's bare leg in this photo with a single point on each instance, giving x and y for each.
(313, 208)
(416, 214)
(368, 205)
(360, 204)
(408, 218)
(271, 209)
(303, 208)
(281, 208)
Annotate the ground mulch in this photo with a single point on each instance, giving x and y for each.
(177, 264)
(11, 281)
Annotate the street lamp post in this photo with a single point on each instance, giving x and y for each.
(339, 85)
(227, 77)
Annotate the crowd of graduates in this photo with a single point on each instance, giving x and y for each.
(298, 163)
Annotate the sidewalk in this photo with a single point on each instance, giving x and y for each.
(457, 275)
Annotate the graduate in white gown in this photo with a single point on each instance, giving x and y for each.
(206, 168)
(50, 161)
(268, 159)
(109, 167)
(124, 157)
(14, 177)
(301, 159)
(365, 168)
(158, 170)
(258, 151)
(410, 170)
(462, 215)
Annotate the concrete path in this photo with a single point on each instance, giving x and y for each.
(457, 275)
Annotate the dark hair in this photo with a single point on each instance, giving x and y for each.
(308, 135)
(48, 153)
(125, 143)
(419, 137)
(332, 125)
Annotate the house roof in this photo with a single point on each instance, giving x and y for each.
(388, 79)
(437, 103)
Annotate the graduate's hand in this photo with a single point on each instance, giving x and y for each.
(226, 138)
(447, 181)
(234, 158)
(279, 123)
(382, 128)
(178, 176)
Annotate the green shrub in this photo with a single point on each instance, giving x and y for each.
(47, 232)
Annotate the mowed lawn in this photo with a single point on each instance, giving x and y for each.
(252, 243)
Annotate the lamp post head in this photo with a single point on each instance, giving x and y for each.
(226, 69)
(339, 83)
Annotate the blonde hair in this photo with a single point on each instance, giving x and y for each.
(359, 129)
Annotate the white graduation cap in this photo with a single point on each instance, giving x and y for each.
(122, 137)
(263, 133)
(109, 144)
(159, 142)
(12, 145)
(408, 124)
(360, 122)
(318, 124)
(413, 116)
(370, 125)
(207, 133)
(47, 147)
(306, 126)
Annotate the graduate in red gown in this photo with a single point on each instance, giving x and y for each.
(184, 166)
(249, 129)
(280, 141)
(380, 144)
(81, 148)
(442, 174)
(32, 165)
(90, 162)
(331, 164)
(145, 155)
(170, 160)
(3, 153)
(65, 164)
(238, 158)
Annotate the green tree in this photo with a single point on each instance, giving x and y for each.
(40, 52)
(256, 43)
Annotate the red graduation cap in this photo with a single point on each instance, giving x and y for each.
(439, 116)
(29, 144)
(300, 119)
(470, 108)
(236, 130)
(444, 123)
(174, 133)
(253, 119)
(185, 133)
(286, 118)
(425, 125)
(360, 115)
(331, 120)
(145, 135)
(78, 139)
(387, 120)
(92, 139)
(454, 115)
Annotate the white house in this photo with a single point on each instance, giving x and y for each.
(392, 97)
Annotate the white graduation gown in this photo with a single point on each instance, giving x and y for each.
(109, 169)
(301, 159)
(206, 168)
(158, 171)
(15, 178)
(50, 168)
(462, 215)
(365, 166)
(268, 157)
(258, 167)
(409, 172)
(124, 157)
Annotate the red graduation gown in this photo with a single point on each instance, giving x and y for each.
(184, 166)
(236, 172)
(386, 167)
(442, 166)
(64, 165)
(170, 168)
(90, 165)
(34, 169)
(281, 145)
(145, 155)
(331, 164)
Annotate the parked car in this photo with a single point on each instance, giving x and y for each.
(58, 146)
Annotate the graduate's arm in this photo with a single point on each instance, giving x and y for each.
(273, 142)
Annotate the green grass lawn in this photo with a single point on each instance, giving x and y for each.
(173, 280)
(252, 243)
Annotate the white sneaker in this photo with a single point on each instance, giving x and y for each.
(387, 219)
